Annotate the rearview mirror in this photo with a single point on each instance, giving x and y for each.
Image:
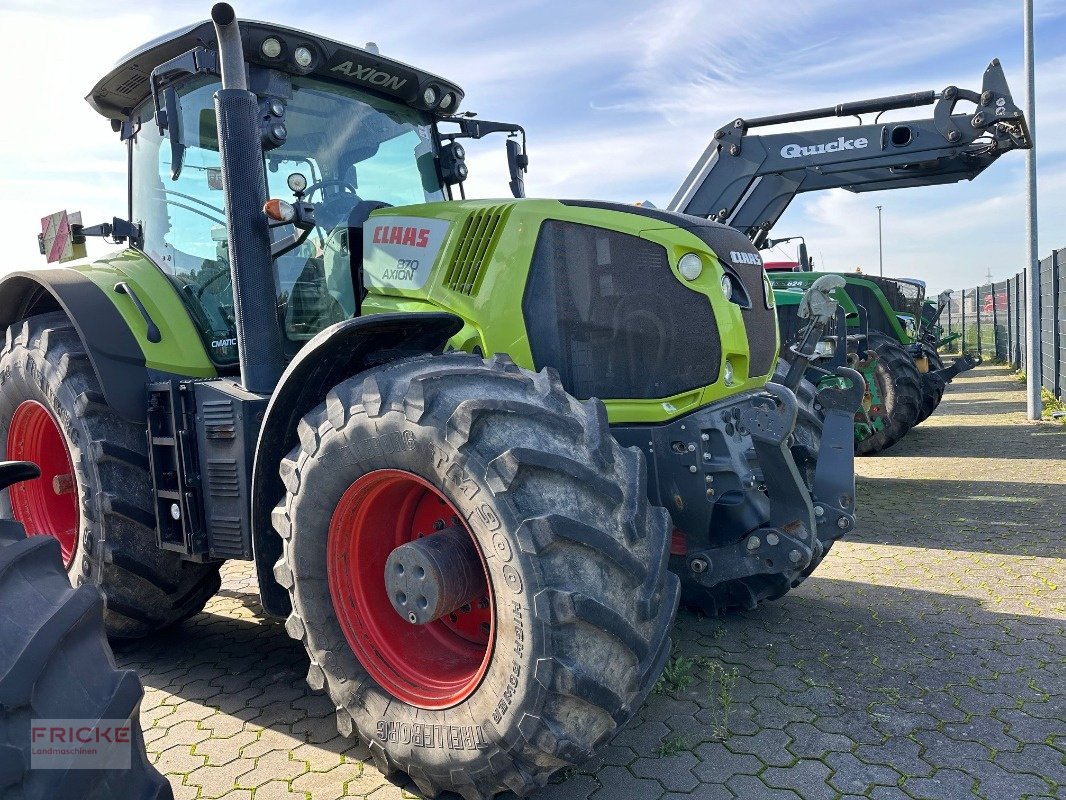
(517, 163)
(172, 109)
(804, 259)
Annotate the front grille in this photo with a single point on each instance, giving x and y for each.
(605, 310)
(473, 250)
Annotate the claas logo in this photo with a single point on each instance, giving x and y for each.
(398, 234)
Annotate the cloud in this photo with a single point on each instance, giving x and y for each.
(619, 99)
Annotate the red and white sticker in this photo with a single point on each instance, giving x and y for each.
(399, 252)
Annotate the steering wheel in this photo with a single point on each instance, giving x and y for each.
(314, 187)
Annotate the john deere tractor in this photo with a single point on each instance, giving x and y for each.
(886, 338)
(311, 355)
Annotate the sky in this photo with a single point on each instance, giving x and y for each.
(619, 99)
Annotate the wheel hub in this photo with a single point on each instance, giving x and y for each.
(48, 505)
(434, 576)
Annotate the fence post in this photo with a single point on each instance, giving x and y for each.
(948, 309)
(995, 321)
(977, 309)
(1006, 294)
(962, 313)
(1056, 320)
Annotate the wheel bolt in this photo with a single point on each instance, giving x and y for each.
(699, 565)
(795, 556)
(772, 539)
(843, 523)
(753, 543)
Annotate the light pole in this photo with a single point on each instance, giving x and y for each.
(880, 249)
(1033, 405)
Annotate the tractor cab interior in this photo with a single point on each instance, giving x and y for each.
(357, 151)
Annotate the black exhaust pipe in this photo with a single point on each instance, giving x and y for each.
(255, 295)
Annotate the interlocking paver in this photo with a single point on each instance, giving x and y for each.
(929, 640)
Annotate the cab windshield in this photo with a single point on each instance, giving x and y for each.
(350, 147)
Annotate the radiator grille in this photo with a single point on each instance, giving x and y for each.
(476, 243)
(605, 310)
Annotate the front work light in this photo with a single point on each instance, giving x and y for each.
(690, 266)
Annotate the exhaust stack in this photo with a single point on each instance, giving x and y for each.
(262, 357)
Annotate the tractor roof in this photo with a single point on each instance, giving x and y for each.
(127, 85)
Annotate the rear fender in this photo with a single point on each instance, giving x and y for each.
(337, 353)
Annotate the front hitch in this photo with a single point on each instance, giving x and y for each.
(834, 472)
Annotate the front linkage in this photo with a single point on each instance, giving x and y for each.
(748, 523)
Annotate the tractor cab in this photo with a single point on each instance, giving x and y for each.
(343, 128)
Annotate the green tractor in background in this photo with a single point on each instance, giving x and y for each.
(883, 334)
(385, 397)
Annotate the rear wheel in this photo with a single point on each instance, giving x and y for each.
(745, 594)
(475, 571)
(896, 390)
(55, 664)
(94, 495)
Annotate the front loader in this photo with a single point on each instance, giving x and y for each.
(462, 441)
(747, 180)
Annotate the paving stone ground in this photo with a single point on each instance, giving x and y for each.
(926, 658)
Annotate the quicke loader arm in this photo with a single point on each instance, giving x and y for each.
(747, 181)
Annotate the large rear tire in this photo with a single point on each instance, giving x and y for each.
(569, 627)
(95, 493)
(745, 594)
(55, 664)
(899, 386)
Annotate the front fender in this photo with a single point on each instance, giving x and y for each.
(337, 353)
(113, 350)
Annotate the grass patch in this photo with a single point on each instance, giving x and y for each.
(677, 675)
(672, 746)
(1052, 406)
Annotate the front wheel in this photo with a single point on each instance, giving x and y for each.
(895, 388)
(474, 570)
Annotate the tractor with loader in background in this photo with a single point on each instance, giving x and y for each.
(463, 441)
(748, 180)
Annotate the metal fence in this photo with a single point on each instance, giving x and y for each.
(991, 320)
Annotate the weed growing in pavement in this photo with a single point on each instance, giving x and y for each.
(672, 746)
(721, 682)
(677, 675)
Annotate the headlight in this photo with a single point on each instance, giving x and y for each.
(271, 48)
(690, 266)
(303, 57)
(728, 372)
(429, 96)
(727, 286)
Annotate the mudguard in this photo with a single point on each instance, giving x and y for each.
(116, 356)
(338, 352)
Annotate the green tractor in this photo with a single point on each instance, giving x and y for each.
(385, 397)
(883, 335)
